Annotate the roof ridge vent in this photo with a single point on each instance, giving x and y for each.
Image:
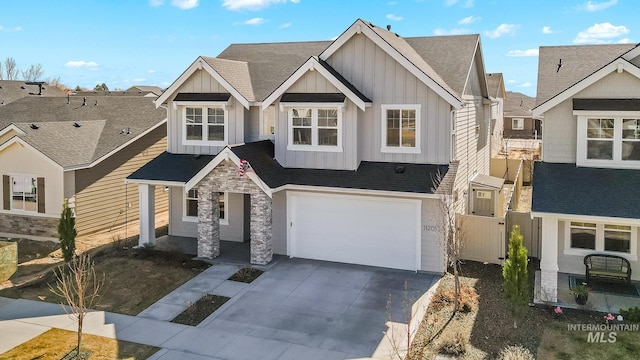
(84, 101)
(76, 125)
(34, 126)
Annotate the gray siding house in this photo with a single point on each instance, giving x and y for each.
(323, 150)
(585, 189)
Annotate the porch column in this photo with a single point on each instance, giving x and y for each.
(147, 203)
(261, 228)
(208, 222)
(549, 260)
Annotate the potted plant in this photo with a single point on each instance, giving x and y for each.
(581, 292)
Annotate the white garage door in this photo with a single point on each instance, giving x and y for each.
(355, 229)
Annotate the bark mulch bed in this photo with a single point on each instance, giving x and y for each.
(200, 310)
(246, 275)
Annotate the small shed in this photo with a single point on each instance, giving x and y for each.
(486, 195)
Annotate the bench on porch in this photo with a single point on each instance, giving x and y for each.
(607, 266)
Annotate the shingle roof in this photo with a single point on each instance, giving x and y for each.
(113, 122)
(11, 91)
(578, 62)
(518, 104)
(236, 73)
(414, 178)
(495, 85)
(567, 189)
(172, 167)
(157, 90)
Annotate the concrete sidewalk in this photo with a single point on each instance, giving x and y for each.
(296, 309)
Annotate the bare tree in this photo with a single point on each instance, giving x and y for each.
(78, 285)
(10, 69)
(1, 73)
(33, 73)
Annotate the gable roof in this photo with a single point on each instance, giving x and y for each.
(111, 124)
(156, 90)
(236, 73)
(518, 104)
(561, 67)
(567, 189)
(495, 85)
(11, 91)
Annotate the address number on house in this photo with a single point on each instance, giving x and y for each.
(428, 228)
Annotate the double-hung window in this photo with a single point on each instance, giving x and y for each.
(191, 205)
(517, 124)
(401, 128)
(608, 140)
(24, 193)
(315, 129)
(600, 139)
(205, 125)
(630, 139)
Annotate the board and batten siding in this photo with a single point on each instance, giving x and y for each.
(103, 200)
(383, 80)
(19, 160)
(313, 82)
(201, 82)
(560, 125)
(433, 255)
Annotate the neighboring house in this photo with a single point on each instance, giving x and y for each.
(497, 94)
(155, 90)
(76, 147)
(323, 150)
(12, 90)
(518, 119)
(586, 188)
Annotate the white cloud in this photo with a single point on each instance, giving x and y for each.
(625, 41)
(600, 34)
(511, 81)
(139, 80)
(80, 64)
(5, 29)
(165, 83)
(593, 6)
(253, 5)
(522, 53)
(547, 30)
(525, 84)
(502, 30)
(392, 2)
(285, 25)
(469, 20)
(254, 21)
(184, 4)
(459, 31)
(151, 71)
(468, 4)
(156, 2)
(394, 17)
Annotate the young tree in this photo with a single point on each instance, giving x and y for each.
(33, 73)
(10, 69)
(67, 232)
(78, 285)
(515, 276)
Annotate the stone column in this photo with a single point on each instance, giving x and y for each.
(261, 246)
(208, 222)
(147, 211)
(549, 260)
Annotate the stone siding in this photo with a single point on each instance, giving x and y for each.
(8, 259)
(29, 225)
(226, 178)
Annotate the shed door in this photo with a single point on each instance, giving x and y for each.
(483, 202)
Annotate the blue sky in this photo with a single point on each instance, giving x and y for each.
(151, 42)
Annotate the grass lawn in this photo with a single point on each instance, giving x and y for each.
(126, 272)
(56, 343)
(487, 326)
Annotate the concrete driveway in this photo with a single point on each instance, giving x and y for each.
(297, 309)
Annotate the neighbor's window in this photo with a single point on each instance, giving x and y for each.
(617, 238)
(600, 139)
(400, 128)
(205, 124)
(24, 193)
(583, 235)
(315, 129)
(192, 204)
(517, 124)
(631, 139)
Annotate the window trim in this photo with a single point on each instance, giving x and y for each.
(11, 183)
(632, 255)
(582, 140)
(383, 126)
(314, 129)
(514, 121)
(187, 218)
(205, 124)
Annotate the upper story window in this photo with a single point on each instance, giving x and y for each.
(517, 124)
(600, 139)
(608, 141)
(205, 125)
(401, 128)
(315, 129)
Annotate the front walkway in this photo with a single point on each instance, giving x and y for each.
(296, 309)
(602, 302)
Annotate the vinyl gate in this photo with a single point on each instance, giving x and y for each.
(483, 238)
(529, 228)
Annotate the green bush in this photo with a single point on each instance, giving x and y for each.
(67, 232)
(631, 314)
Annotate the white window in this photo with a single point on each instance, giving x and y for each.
(24, 193)
(267, 126)
(205, 125)
(630, 139)
(600, 139)
(315, 129)
(517, 124)
(191, 206)
(587, 237)
(608, 141)
(401, 128)
(453, 135)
